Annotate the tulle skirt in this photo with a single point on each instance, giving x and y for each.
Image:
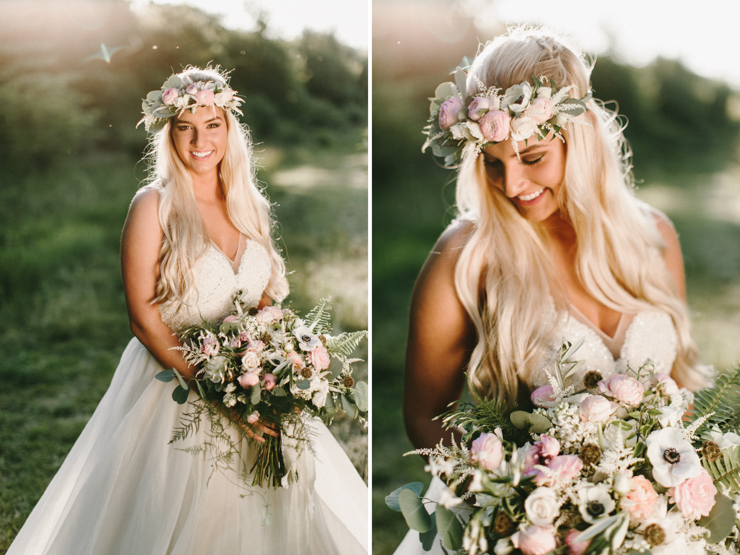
(124, 490)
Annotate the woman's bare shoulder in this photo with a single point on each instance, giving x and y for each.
(143, 218)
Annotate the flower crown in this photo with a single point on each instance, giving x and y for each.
(489, 116)
(181, 93)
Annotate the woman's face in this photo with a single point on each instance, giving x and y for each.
(532, 182)
(200, 139)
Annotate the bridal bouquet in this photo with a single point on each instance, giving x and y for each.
(625, 465)
(270, 366)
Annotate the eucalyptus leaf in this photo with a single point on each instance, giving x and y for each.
(179, 377)
(460, 79)
(153, 95)
(361, 396)
(180, 394)
(635, 552)
(539, 424)
(448, 528)
(721, 519)
(573, 348)
(329, 405)
(427, 538)
(256, 396)
(174, 82)
(200, 390)
(596, 528)
(392, 498)
(413, 511)
(444, 91)
(520, 419)
(279, 392)
(349, 407)
(303, 384)
(165, 375)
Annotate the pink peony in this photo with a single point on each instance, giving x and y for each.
(488, 450)
(542, 394)
(269, 314)
(319, 358)
(641, 499)
(210, 346)
(204, 97)
(695, 496)
(495, 126)
(575, 547)
(665, 384)
(270, 381)
(448, 112)
(169, 96)
(596, 408)
(563, 468)
(248, 380)
(478, 107)
(623, 388)
(535, 540)
(542, 452)
(540, 110)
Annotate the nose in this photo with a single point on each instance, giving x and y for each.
(513, 180)
(196, 137)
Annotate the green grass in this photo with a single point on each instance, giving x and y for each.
(63, 311)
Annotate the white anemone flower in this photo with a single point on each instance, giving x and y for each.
(673, 458)
(595, 503)
(307, 341)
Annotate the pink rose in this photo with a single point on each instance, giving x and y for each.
(169, 96)
(488, 450)
(541, 453)
(192, 89)
(320, 358)
(623, 388)
(695, 496)
(210, 346)
(248, 380)
(252, 418)
(665, 384)
(298, 363)
(244, 336)
(641, 499)
(543, 394)
(204, 97)
(540, 110)
(269, 314)
(270, 381)
(596, 408)
(251, 361)
(495, 126)
(523, 128)
(575, 547)
(563, 468)
(448, 112)
(535, 540)
(478, 107)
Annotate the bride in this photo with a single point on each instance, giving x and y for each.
(195, 235)
(550, 245)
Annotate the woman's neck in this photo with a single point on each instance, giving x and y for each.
(559, 230)
(207, 187)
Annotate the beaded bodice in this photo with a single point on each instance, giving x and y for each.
(650, 336)
(214, 284)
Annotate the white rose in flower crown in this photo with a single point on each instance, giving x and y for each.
(673, 458)
(523, 128)
(517, 98)
(542, 506)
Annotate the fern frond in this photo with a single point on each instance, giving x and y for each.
(318, 320)
(346, 343)
(727, 469)
(722, 399)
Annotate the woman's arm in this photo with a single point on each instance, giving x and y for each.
(140, 244)
(441, 339)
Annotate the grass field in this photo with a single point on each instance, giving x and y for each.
(64, 322)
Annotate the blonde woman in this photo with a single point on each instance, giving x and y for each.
(197, 233)
(550, 243)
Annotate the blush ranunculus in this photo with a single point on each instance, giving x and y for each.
(270, 381)
(641, 499)
(540, 110)
(563, 469)
(448, 112)
(623, 388)
(269, 314)
(535, 540)
(478, 108)
(665, 384)
(205, 97)
(695, 496)
(495, 126)
(488, 450)
(191, 89)
(169, 96)
(248, 380)
(542, 452)
(542, 394)
(575, 547)
(596, 408)
(320, 358)
(210, 346)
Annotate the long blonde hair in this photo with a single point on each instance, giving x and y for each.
(185, 235)
(506, 259)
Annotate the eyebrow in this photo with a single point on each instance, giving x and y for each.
(191, 123)
(527, 150)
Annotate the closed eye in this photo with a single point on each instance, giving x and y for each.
(533, 162)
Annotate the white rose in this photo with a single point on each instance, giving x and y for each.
(522, 128)
(542, 506)
(250, 361)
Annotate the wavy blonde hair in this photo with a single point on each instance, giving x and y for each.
(185, 235)
(506, 258)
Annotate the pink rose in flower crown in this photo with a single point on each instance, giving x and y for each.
(251, 361)
(488, 450)
(695, 496)
(540, 110)
(191, 89)
(478, 108)
(641, 500)
(535, 540)
(204, 97)
(596, 408)
(542, 452)
(248, 380)
(575, 547)
(623, 388)
(563, 468)
(495, 126)
(542, 394)
(270, 381)
(320, 358)
(269, 314)
(210, 346)
(169, 96)
(665, 384)
(448, 112)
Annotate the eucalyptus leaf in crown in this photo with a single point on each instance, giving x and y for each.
(491, 115)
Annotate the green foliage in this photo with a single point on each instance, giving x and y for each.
(726, 469)
(392, 498)
(347, 342)
(449, 528)
(720, 402)
(319, 319)
(413, 511)
(721, 519)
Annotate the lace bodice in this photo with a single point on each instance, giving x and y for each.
(214, 284)
(650, 336)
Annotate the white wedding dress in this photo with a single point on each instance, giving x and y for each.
(124, 490)
(642, 337)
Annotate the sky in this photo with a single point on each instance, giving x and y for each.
(348, 19)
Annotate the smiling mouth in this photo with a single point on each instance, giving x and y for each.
(201, 154)
(527, 198)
